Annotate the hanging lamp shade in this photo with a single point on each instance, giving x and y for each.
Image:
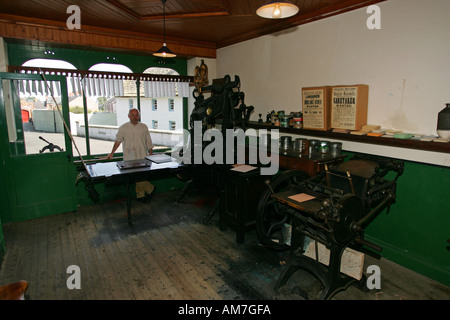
(164, 51)
(277, 10)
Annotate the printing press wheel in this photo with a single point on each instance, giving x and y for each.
(351, 210)
(271, 215)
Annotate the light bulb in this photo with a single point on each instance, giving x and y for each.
(276, 11)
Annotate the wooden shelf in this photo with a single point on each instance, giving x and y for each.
(392, 142)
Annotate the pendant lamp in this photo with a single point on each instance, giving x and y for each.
(277, 10)
(164, 52)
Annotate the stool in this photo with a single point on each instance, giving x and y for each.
(14, 291)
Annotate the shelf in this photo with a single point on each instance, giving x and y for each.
(392, 142)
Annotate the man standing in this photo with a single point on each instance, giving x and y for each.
(137, 144)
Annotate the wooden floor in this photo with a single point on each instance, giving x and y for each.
(168, 254)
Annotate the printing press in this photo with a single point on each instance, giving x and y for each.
(332, 210)
(225, 107)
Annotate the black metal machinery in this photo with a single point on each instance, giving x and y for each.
(50, 147)
(340, 203)
(224, 107)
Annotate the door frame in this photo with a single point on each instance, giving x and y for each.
(54, 171)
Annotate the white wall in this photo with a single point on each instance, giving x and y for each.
(406, 64)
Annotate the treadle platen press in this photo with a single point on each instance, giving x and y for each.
(330, 210)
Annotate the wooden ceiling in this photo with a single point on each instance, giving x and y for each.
(193, 28)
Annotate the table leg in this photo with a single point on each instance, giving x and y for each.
(128, 204)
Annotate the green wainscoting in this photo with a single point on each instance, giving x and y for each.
(415, 231)
(2, 244)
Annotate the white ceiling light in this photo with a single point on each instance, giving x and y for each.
(277, 10)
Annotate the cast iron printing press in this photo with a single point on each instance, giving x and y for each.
(331, 209)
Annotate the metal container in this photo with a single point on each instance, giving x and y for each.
(443, 126)
(313, 146)
(276, 120)
(291, 119)
(301, 145)
(324, 147)
(298, 120)
(335, 149)
(284, 121)
(286, 143)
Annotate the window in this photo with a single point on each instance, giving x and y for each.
(172, 125)
(38, 125)
(155, 124)
(108, 104)
(171, 105)
(49, 63)
(154, 104)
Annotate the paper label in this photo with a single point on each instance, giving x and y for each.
(313, 109)
(343, 108)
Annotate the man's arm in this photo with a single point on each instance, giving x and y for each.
(115, 147)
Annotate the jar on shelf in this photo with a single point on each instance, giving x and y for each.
(276, 120)
(284, 121)
(291, 120)
(298, 120)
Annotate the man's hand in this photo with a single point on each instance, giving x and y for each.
(109, 156)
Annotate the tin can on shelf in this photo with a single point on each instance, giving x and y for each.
(336, 148)
(276, 120)
(286, 142)
(301, 145)
(284, 121)
(291, 120)
(298, 120)
(313, 146)
(324, 147)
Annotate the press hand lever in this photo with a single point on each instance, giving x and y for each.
(267, 182)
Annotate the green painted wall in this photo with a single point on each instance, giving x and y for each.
(2, 244)
(415, 231)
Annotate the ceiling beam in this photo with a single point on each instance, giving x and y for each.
(139, 17)
(185, 15)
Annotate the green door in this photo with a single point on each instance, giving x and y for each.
(36, 168)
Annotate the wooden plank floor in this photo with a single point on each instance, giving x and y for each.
(168, 254)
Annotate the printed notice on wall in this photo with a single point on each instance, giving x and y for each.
(313, 109)
(343, 108)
